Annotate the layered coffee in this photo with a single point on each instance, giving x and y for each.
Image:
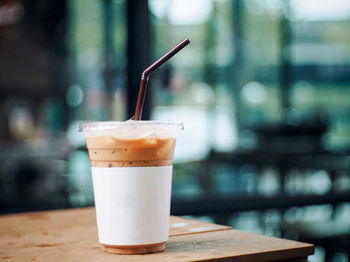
(110, 151)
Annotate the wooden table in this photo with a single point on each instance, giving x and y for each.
(71, 235)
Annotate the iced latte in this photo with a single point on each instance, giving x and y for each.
(132, 169)
(110, 151)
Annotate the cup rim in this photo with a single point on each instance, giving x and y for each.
(108, 125)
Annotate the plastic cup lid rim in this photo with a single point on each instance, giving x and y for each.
(104, 125)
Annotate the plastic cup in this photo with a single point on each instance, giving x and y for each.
(131, 165)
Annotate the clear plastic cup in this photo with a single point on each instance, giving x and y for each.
(131, 165)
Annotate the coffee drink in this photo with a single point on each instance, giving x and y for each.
(132, 170)
(109, 151)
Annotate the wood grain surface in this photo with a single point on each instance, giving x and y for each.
(71, 235)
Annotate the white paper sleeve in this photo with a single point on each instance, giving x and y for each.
(132, 204)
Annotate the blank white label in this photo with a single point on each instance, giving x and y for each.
(132, 204)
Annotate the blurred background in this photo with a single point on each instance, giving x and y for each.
(263, 91)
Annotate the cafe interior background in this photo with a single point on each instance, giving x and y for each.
(263, 91)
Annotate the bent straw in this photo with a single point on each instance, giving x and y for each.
(149, 70)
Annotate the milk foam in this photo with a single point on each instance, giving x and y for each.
(132, 129)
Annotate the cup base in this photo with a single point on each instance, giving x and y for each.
(134, 250)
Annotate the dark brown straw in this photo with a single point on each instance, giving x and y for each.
(149, 70)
